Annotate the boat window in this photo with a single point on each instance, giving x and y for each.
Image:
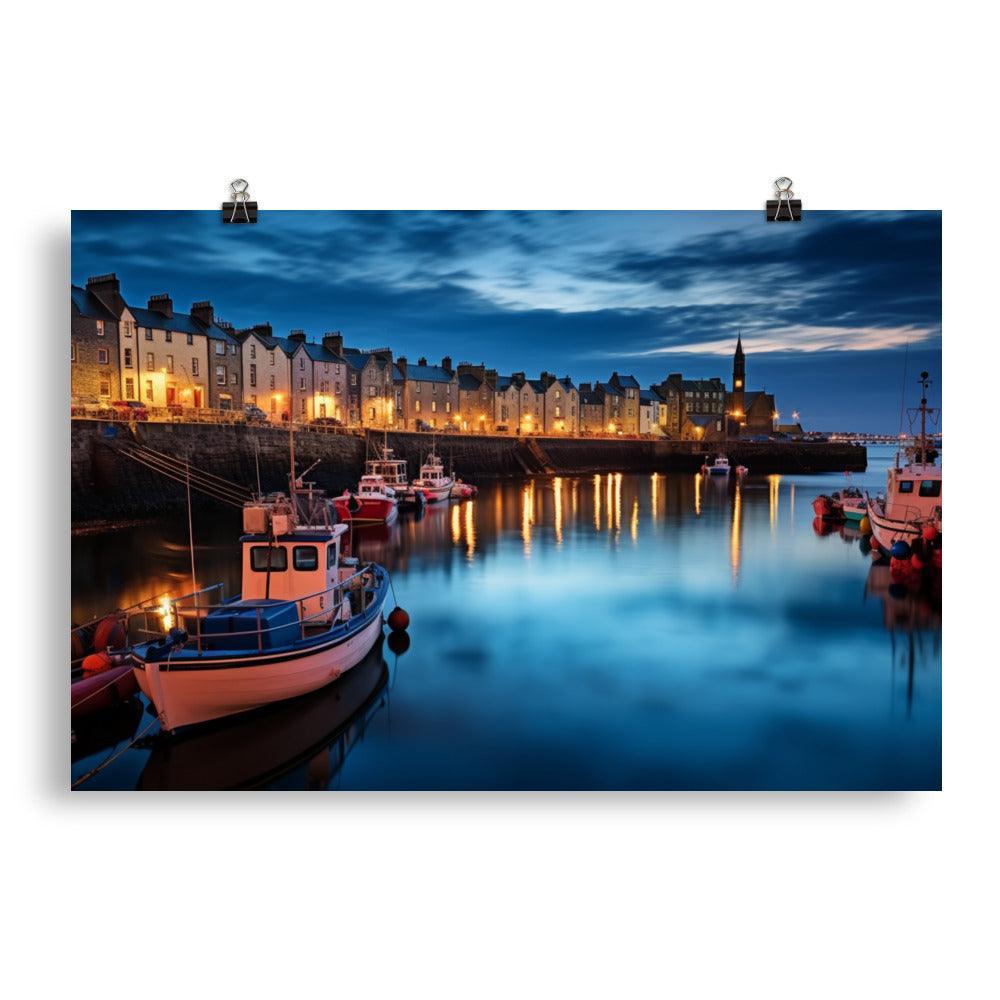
(930, 487)
(305, 557)
(331, 556)
(906, 486)
(259, 555)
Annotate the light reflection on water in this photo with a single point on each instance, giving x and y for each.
(606, 631)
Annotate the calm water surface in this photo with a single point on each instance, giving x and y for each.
(614, 631)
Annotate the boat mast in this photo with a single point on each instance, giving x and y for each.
(924, 382)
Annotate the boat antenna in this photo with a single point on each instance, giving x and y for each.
(902, 399)
(256, 461)
(291, 456)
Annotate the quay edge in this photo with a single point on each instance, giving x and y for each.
(108, 486)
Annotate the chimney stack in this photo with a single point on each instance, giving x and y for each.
(401, 365)
(203, 313)
(298, 336)
(446, 364)
(161, 304)
(334, 342)
(422, 362)
(106, 289)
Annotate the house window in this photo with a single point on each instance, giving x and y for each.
(354, 379)
(170, 363)
(100, 328)
(168, 336)
(336, 388)
(102, 355)
(274, 405)
(127, 327)
(149, 390)
(130, 388)
(105, 389)
(232, 350)
(232, 378)
(302, 384)
(371, 413)
(272, 381)
(558, 396)
(303, 407)
(149, 333)
(194, 366)
(322, 409)
(434, 406)
(302, 364)
(447, 407)
(558, 411)
(220, 347)
(416, 406)
(416, 387)
(253, 350)
(270, 355)
(220, 374)
(326, 369)
(150, 361)
(72, 351)
(371, 390)
(253, 373)
(128, 357)
(190, 339)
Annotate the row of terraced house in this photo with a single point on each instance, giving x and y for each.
(174, 362)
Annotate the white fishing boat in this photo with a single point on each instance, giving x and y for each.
(305, 616)
(433, 481)
(913, 494)
(720, 467)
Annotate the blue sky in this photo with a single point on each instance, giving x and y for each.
(826, 307)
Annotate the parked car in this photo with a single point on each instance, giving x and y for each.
(501, 428)
(129, 409)
(326, 422)
(253, 414)
(422, 425)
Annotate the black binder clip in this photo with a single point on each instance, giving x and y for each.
(240, 209)
(784, 208)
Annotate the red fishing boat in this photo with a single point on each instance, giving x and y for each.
(374, 502)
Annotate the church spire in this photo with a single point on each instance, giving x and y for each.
(739, 344)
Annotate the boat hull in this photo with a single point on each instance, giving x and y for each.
(371, 511)
(887, 530)
(213, 689)
(435, 494)
(102, 691)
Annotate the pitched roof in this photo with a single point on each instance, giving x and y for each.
(609, 388)
(701, 385)
(179, 323)
(469, 382)
(89, 305)
(427, 373)
(629, 381)
(537, 384)
(648, 396)
(592, 398)
(566, 383)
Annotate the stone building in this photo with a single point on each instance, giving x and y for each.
(476, 397)
(682, 398)
(428, 394)
(750, 413)
(507, 403)
(627, 386)
(561, 405)
(95, 374)
(267, 371)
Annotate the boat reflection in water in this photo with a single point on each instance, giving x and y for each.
(301, 743)
(913, 621)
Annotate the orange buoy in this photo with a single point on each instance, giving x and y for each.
(96, 663)
(929, 532)
(398, 619)
(109, 633)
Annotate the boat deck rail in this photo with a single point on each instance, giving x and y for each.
(196, 612)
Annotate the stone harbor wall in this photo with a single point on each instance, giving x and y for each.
(108, 486)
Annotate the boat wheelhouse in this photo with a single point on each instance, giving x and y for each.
(913, 494)
(374, 502)
(305, 615)
(720, 467)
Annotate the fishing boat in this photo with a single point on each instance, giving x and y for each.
(373, 502)
(850, 502)
(463, 491)
(433, 481)
(720, 467)
(305, 616)
(913, 493)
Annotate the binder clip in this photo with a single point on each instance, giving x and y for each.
(784, 208)
(240, 209)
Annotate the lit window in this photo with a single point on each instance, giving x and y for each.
(253, 373)
(220, 374)
(149, 389)
(100, 328)
(149, 333)
(130, 388)
(194, 366)
(127, 357)
(170, 363)
(150, 361)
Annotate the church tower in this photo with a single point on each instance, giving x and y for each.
(739, 378)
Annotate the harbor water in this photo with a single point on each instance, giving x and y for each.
(617, 631)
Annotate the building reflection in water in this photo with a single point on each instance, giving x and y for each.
(557, 489)
(735, 537)
(597, 503)
(470, 529)
(697, 494)
(527, 515)
(654, 487)
(773, 491)
(456, 525)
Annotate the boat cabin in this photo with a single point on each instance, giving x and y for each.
(432, 472)
(391, 470)
(913, 492)
(374, 486)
